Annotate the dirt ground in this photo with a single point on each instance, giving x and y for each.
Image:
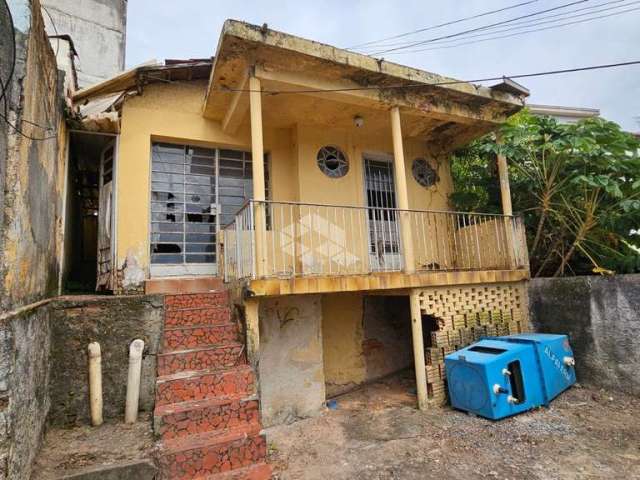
(376, 433)
(70, 451)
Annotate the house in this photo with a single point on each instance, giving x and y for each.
(307, 178)
(563, 114)
(299, 192)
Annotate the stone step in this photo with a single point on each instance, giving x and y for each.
(204, 358)
(187, 338)
(202, 455)
(186, 317)
(187, 418)
(201, 385)
(259, 471)
(182, 285)
(218, 298)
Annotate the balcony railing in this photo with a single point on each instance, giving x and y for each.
(303, 239)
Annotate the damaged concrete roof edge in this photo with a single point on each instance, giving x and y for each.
(128, 78)
(274, 38)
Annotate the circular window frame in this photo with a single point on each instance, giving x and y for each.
(423, 173)
(332, 153)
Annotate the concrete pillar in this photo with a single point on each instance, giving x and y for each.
(418, 350)
(505, 194)
(257, 168)
(95, 383)
(252, 321)
(401, 191)
(505, 190)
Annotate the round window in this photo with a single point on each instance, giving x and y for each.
(424, 173)
(332, 162)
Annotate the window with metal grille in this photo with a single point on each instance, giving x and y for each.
(195, 191)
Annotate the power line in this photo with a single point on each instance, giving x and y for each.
(434, 27)
(532, 22)
(576, 22)
(453, 35)
(443, 83)
(4, 86)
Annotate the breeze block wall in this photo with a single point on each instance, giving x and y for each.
(457, 316)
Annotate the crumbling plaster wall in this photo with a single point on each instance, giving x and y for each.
(114, 322)
(364, 338)
(31, 180)
(33, 170)
(98, 31)
(291, 371)
(600, 315)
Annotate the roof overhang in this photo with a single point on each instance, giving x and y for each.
(292, 65)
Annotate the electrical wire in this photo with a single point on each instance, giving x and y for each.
(464, 32)
(577, 22)
(4, 86)
(534, 22)
(434, 27)
(434, 84)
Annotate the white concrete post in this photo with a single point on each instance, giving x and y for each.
(418, 350)
(95, 383)
(133, 381)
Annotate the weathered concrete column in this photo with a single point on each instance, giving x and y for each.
(401, 191)
(418, 350)
(503, 174)
(257, 169)
(505, 194)
(95, 383)
(252, 320)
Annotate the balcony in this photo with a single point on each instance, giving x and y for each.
(270, 240)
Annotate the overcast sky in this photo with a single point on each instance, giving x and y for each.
(159, 29)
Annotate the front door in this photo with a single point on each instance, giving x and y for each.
(384, 235)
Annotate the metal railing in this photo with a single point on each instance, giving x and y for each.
(304, 239)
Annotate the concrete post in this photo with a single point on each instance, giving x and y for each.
(418, 350)
(401, 191)
(257, 168)
(505, 194)
(95, 383)
(503, 174)
(133, 381)
(252, 321)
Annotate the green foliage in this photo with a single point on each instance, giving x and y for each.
(577, 186)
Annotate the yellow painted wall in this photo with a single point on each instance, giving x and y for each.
(173, 113)
(342, 336)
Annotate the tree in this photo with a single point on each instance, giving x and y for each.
(577, 186)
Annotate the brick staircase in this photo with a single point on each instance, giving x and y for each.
(207, 414)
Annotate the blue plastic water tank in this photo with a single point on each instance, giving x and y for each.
(502, 376)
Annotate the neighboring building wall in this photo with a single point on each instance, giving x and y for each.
(31, 179)
(600, 315)
(291, 372)
(98, 31)
(174, 113)
(113, 322)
